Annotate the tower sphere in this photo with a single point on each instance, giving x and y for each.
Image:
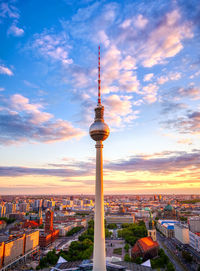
(99, 130)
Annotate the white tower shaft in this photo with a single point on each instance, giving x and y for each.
(99, 263)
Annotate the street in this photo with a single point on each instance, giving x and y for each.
(170, 254)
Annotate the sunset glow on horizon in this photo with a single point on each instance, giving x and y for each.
(150, 79)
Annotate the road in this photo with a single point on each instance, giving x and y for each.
(169, 253)
(62, 242)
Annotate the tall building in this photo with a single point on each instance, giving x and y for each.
(49, 234)
(24, 207)
(10, 208)
(49, 221)
(99, 131)
(2, 210)
(194, 223)
(40, 220)
(181, 233)
(37, 204)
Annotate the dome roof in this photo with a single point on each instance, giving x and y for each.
(168, 208)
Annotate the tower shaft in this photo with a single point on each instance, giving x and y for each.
(99, 262)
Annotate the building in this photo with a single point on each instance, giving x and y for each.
(2, 210)
(37, 204)
(194, 223)
(10, 208)
(48, 238)
(2, 224)
(24, 207)
(194, 240)
(167, 227)
(120, 219)
(181, 233)
(49, 221)
(30, 224)
(169, 212)
(145, 248)
(49, 234)
(18, 246)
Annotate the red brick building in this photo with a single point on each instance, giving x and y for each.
(145, 248)
(49, 221)
(49, 234)
(48, 238)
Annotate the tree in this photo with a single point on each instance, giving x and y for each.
(108, 233)
(138, 260)
(126, 247)
(170, 267)
(127, 258)
(112, 226)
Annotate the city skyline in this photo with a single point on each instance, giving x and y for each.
(150, 87)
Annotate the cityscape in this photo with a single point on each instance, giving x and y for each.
(56, 233)
(99, 135)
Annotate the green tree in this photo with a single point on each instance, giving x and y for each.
(170, 267)
(108, 233)
(138, 260)
(126, 247)
(127, 258)
(112, 226)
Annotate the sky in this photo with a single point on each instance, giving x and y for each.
(150, 79)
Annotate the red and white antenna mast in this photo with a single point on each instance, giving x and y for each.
(99, 79)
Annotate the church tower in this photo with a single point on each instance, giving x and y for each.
(152, 230)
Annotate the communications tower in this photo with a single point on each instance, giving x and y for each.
(99, 131)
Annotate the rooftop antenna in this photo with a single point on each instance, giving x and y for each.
(99, 80)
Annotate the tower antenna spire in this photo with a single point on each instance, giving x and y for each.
(99, 79)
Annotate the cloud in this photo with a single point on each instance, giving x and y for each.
(188, 124)
(15, 31)
(171, 76)
(139, 22)
(52, 45)
(150, 93)
(25, 171)
(118, 70)
(119, 110)
(165, 41)
(163, 163)
(22, 121)
(163, 79)
(178, 93)
(8, 10)
(148, 77)
(185, 141)
(192, 92)
(171, 107)
(171, 163)
(103, 38)
(5, 70)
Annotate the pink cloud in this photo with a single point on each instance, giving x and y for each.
(165, 41)
(5, 70)
(21, 121)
